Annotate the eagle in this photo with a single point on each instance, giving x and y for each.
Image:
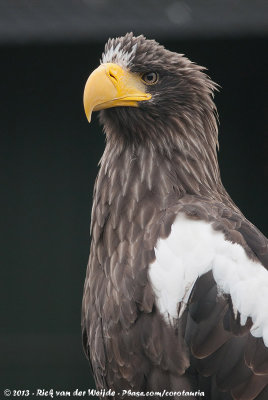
(175, 298)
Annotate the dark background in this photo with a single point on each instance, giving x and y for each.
(49, 155)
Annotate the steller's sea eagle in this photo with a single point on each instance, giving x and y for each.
(176, 291)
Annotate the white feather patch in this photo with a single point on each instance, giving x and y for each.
(119, 56)
(192, 249)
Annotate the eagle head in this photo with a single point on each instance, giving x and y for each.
(148, 94)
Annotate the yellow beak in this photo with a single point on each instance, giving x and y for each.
(112, 86)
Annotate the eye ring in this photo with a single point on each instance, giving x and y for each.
(150, 78)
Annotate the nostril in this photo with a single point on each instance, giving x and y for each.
(112, 76)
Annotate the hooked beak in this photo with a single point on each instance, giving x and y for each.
(112, 86)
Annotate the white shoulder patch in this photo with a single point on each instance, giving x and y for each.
(119, 56)
(192, 249)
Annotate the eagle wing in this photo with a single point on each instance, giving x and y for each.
(219, 287)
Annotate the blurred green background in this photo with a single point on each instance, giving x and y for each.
(49, 155)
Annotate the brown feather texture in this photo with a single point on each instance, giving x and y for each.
(161, 161)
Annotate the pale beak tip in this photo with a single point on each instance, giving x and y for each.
(88, 115)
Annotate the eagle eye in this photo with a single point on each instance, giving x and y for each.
(150, 78)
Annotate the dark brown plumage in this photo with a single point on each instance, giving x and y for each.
(160, 160)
